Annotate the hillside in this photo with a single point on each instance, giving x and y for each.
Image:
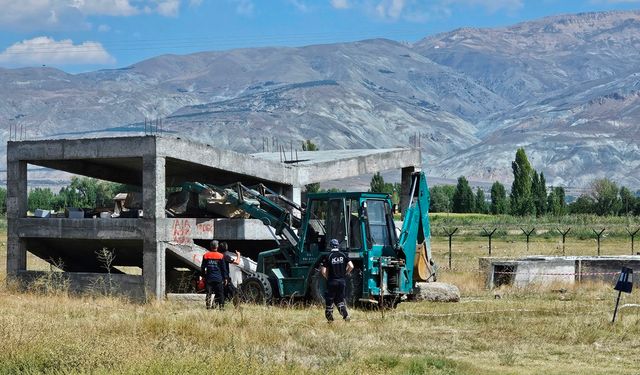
(565, 87)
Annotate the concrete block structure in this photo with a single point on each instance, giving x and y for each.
(156, 244)
(545, 270)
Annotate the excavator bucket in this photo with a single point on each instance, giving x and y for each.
(422, 268)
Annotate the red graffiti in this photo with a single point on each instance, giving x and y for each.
(205, 227)
(181, 231)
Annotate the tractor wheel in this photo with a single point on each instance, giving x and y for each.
(256, 289)
(318, 287)
(354, 287)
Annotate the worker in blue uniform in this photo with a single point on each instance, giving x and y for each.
(335, 267)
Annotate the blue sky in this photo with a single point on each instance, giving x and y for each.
(82, 35)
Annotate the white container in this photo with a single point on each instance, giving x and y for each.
(42, 213)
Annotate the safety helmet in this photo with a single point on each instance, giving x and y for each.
(334, 244)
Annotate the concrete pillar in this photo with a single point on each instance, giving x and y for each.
(405, 188)
(294, 193)
(153, 186)
(16, 208)
(153, 202)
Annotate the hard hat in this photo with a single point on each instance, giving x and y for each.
(334, 244)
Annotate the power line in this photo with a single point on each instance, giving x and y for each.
(212, 42)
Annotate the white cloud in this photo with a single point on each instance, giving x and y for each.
(300, 5)
(169, 8)
(104, 28)
(340, 4)
(491, 6)
(100, 7)
(45, 50)
(244, 7)
(390, 9)
(420, 11)
(29, 15)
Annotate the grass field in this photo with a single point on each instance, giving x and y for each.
(530, 331)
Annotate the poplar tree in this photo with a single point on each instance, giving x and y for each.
(463, 199)
(521, 196)
(498, 199)
(627, 201)
(555, 201)
(539, 193)
(561, 207)
(480, 204)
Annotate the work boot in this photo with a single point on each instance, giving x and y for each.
(328, 313)
(343, 311)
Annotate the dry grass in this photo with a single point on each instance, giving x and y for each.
(526, 332)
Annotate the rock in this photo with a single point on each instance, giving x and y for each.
(436, 292)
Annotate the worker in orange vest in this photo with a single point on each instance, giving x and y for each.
(214, 272)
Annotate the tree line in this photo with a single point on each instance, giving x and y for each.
(529, 196)
(82, 192)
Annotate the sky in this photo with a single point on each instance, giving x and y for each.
(85, 35)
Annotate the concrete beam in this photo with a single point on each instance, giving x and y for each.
(242, 164)
(85, 148)
(116, 229)
(354, 165)
(185, 230)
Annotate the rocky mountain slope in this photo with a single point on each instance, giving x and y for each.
(565, 87)
(575, 88)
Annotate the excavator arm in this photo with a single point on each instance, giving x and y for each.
(414, 242)
(255, 203)
(267, 211)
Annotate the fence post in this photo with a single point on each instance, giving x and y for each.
(528, 234)
(564, 237)
(450, 233)
(599, 234)
(632, 235)
(489, 234)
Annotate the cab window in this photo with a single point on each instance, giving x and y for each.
(377, 215)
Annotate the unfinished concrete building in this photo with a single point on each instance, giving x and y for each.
(155, 244)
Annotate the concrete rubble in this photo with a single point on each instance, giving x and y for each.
(437, 292)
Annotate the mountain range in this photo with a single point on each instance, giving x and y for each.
(566, 88)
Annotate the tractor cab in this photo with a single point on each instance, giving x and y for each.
(361, 222)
